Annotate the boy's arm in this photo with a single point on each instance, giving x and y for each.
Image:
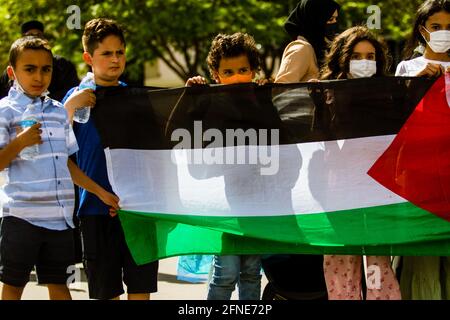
(78, 99)
(9, 153)
(83, 181)
(25, 138)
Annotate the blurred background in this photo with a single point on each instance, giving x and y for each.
(168, 40)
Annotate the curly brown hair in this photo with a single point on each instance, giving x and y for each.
(96, 30)
(337, 63)
(231, 46)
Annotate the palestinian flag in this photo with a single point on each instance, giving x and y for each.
(247, 169)
(416, 165)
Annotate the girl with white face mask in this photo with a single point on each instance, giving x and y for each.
(428, 278)
(431, 31)
(357, 53)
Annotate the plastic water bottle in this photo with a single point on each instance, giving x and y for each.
(29, 119)
(82, 114)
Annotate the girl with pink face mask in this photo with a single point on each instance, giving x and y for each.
(357, 53)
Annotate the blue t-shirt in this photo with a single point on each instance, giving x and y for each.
(91, 160)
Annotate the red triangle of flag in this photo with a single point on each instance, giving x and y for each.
(416, 166)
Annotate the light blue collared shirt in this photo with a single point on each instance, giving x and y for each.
(39, 191)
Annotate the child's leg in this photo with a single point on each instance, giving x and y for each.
(224, 278)
(101, 257)
(381, 281)
(250, 278)
(55, 266)
(138, 296)
(343, 277)
(58, 292)
(11, 292)
(141, 280)
(421, 278)
(20, 243)
(445, 276)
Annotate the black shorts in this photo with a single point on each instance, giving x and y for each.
(108, 261)
(23, 246)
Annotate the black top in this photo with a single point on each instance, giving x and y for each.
(309, 19)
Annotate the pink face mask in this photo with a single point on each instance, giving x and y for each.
(237, 78)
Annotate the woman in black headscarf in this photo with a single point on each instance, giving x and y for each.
(309, 25)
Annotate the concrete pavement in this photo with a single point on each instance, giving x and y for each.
(169, 288)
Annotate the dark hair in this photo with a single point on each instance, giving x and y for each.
(230, 46)
(337, 63)
(426, 10)
(30, 25)
(96, 30)
(24, 43)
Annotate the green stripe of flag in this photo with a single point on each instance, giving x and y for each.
(398, 229)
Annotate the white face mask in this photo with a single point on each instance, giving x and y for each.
(439, 40)
(20, 89)
(17, 86)
(362, 68)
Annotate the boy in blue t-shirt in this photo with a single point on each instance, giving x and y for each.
(37, 217)
(107, 258)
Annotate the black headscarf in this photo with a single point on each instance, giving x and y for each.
(309, 20)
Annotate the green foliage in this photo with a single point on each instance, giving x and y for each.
(160, 28)
(396, 16)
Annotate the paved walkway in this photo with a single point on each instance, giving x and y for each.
(169, 288)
